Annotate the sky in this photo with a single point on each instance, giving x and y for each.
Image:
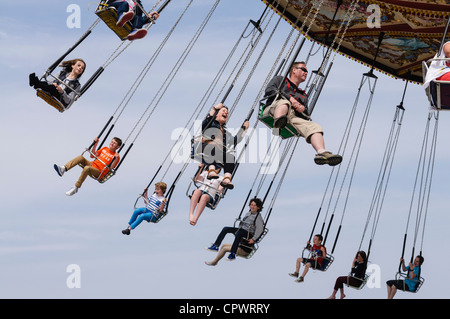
(45, 235)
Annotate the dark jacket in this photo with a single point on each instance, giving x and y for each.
(288, 89)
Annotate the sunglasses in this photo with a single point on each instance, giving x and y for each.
(303, 69)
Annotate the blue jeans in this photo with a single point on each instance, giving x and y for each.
(121, 7)
(139, 215)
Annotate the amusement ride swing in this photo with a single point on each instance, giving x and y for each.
(109, 16)
(379, 194)
(423, 179)
(425, 171)
(56, 103)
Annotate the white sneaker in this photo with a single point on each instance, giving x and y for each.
(72, 191)
(59, 169)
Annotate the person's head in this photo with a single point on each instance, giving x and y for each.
(115, 144)
(160, 188)
(317, 240)
(256, 205)
(361, 256)
(222, 115)
(446, 52)
(77, 66)
(418, 261)
(298, 71)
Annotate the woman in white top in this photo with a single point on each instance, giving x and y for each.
(203, 195)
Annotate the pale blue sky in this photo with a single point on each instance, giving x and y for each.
(43, 231)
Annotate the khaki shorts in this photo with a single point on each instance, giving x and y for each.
(304, 127)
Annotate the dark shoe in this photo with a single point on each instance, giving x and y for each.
(231, 257)
(213, 247)
(228, 185)
(126, 231)
(280, 122)
(33, 79)
(212, 174)
(328, 158)
(300, 279)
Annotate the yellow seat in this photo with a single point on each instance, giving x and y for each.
(109, 16)
(50, 100)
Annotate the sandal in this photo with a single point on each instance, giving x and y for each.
(212, 174)
(228, 185)
(280, 122)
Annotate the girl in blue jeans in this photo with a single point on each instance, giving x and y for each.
(150, 213)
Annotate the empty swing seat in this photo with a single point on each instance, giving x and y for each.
(109, 16)
(286, 132)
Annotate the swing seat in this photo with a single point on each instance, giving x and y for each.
(160, 216)
(363, 281)
(326, 263)
(214, 203)
(109, 16)
(253, 248)
(102, 177)
(286, 132)
(327, 260)
(51, 100)
(419, 282)
(438, 92)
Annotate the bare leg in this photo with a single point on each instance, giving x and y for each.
(280, 110)
(200, 207)
(342, 293)
(223, 250)
(194, 200)
(333, 295)
(317, 142)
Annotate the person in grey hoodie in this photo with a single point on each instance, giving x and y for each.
(65, 87)
(251, 227)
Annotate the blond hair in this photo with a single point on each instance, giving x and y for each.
(162, 186)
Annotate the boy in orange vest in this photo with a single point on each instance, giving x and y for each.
(105, 158)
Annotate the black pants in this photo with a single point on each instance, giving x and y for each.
(340, 281)
(43, 85)
(216, 155)
(239, 233)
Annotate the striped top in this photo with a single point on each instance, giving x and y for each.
(154, 203)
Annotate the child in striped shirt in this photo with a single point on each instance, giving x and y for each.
(150, 213)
